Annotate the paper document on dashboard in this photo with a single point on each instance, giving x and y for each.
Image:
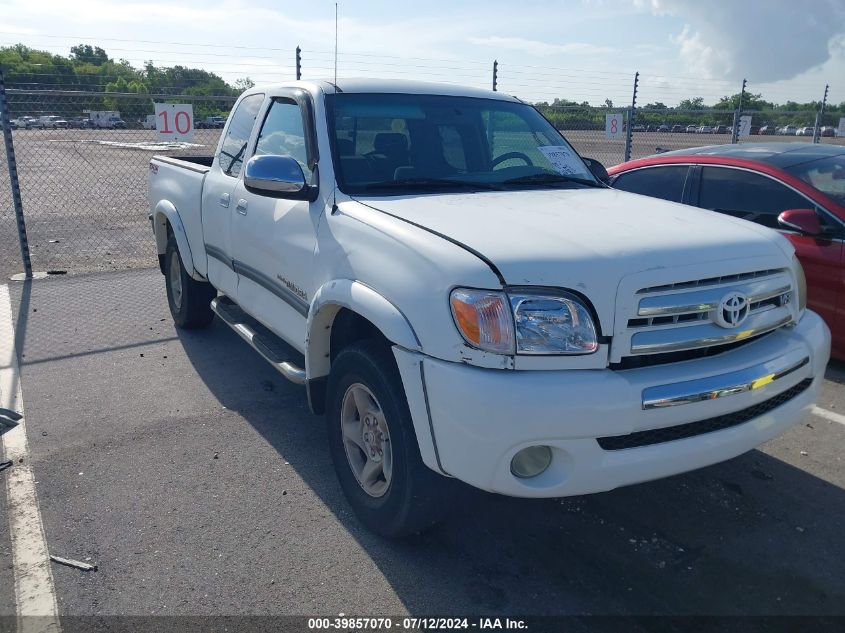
(563, 159)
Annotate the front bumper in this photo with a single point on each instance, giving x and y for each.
(472, 421)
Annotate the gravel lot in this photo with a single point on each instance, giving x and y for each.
(196, 478)
(85, 191)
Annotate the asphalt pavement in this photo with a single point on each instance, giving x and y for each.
(195, 478)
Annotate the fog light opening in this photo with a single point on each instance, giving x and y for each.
(531, 461)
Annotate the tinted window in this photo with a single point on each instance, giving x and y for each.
(657, 182)
(390, 143)
(825, 174)
(237, 135)
(283, 134)
(747, 195)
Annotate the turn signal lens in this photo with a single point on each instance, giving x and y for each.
(483, 319)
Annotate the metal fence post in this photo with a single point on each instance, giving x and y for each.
(298, 63)
(13, 177)
(820, 116)
(738, 114)
(495, 75)
(628, 135)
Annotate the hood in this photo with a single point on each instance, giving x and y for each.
(588, 239)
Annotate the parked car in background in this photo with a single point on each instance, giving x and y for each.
(663, 128)
(80, 123)
(692, 129)
(805, 131)
(768, 130)
(796, 188)
(827, 131)
(210, 123)
(720, 129)
(787, 130)
(677, 129)
(148, 122)
(639, 128)
(754, 130)
(705, 129)
(51, 122)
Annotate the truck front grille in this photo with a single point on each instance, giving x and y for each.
(679, 318)
(710, 425)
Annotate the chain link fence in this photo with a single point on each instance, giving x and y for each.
(82, 163)
(83, 159)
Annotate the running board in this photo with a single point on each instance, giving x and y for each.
(270, 346)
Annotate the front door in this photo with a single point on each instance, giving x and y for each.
(274, 239)
(220, 182)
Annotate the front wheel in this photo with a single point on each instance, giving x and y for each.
(374, 447)
(189, 299)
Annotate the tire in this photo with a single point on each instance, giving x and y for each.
(189, 299)
(414, 497)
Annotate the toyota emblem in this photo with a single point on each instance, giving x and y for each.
(732, 310)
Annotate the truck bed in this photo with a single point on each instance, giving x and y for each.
(178, 181)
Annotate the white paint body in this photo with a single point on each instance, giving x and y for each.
(394, 260)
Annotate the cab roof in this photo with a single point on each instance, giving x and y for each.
(388, 86)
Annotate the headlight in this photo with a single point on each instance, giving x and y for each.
(801, 280)
(524, 321)
(552, 324)
(483, 319)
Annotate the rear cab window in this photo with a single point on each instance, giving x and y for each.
(233, 149)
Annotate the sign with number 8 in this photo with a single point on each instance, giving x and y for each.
(613, 127)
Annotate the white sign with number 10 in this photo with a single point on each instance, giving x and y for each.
(174, 122)
(613, 127)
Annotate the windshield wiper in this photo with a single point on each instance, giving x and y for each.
(541, 179)
(429, 183)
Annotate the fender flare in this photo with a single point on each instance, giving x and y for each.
(334, 295)
(166, 212)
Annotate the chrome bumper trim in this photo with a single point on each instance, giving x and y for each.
(720, 386)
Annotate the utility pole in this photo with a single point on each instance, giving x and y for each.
(738, 114)
(495, 75)
(298, 63)
(630, 130)
(820, 116)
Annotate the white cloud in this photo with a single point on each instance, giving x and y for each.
(763, 42)
(540, 49)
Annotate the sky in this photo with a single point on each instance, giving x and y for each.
(581, 50)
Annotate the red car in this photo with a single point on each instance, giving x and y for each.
(796, 188)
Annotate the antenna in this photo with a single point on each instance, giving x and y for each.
(334, 191)
(335, 45)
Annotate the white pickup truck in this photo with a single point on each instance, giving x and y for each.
(464, 298)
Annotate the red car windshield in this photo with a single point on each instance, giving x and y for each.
(825, 174)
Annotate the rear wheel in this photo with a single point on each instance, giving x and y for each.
(189, 299)
(374, 447)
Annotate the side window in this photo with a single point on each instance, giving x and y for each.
(747, 195)
(283, 134)
(657, 182)
(237, 135)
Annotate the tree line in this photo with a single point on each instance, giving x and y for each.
(90, 69)
(567, 114)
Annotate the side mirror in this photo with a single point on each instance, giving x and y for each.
(597, 169)
(279, 176)
(804, 221)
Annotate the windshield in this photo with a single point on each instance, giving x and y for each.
(825, 174)
(390, 143)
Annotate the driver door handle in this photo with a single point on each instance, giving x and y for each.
(224, 200)
(241, 208)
